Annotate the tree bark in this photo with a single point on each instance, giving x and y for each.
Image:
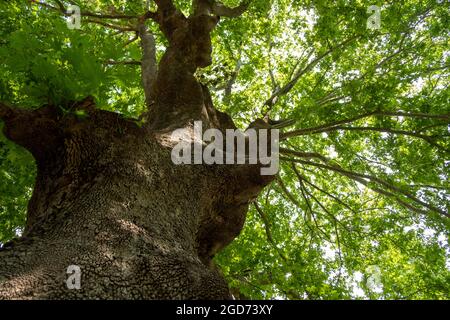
(109, 199)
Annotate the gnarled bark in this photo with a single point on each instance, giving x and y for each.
(109, 199)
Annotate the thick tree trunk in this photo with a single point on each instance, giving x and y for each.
(109, 199)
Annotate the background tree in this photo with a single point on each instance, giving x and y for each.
(358, 209)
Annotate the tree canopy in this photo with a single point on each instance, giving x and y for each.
(359, 208)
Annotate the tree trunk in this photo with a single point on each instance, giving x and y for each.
(109, 199)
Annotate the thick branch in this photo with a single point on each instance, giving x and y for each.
(221, 10)
(165, 5)
(5, 111)
(150, 15)
(231, 81)
(149, 66)
(35, 130)
(217, 8)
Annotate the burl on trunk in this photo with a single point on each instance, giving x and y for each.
(109, 199)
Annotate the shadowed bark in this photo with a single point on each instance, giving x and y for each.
(109, 199)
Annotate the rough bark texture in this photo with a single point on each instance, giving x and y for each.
(109, 199)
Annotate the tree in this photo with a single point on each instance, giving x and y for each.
(358, 209)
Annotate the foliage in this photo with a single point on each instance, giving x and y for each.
(356, 211)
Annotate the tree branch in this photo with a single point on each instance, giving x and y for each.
(288, 86)
(63, 10)
(306, 131)
(303, 178)
(149, 15)
(288, 193)
(335, 220)
(330, 126)
(112, 26)
(221, 10)
(36, 130)
(291, 198)
(60, 4)
(108, 16)
(303, 154)
(131, 40)
(445, 116)
(362, 178)
(267, 229)
(217, 8)
(5, 111)
(128, 62)
(309, 205)
(166, 6)
(273, 81)
(426, 138)
(231, 81)
(330, 96)
(149, 65)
